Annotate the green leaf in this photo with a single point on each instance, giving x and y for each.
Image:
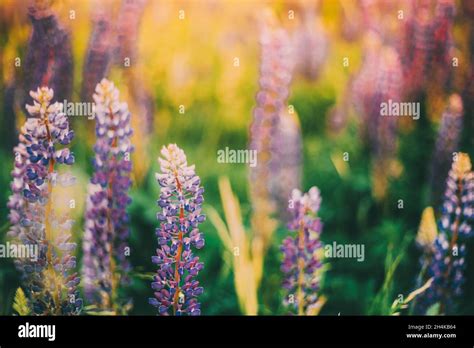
(434, 309)
(144, 276)
(20, 303)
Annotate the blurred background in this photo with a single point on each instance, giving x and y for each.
(190, 71)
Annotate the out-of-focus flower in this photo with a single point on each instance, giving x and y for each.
(181, 197)
(448, 261)
(447, 144)
(427, 45)
(286, 173)
(311, 43)
(378, 81)
(99, 51)
(49, 279)
(427, 230)
(107, 220)
(352, 20)
(127, 31)
(275, 77)
(301, 263)
(49, 55)
(114, 44)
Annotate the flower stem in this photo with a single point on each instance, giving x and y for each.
(180, 249)
(48, 227)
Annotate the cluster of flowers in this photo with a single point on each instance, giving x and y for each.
(447, 261)
(302, 252)
(371, 87)
(48, 277)
(49, 59)
(447, 143)
(106, 229)
(426, 45)
(181, 197)
(310, 42)
(275, 77)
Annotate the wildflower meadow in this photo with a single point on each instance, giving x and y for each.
(254, 157)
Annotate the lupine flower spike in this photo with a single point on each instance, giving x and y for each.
(175, 286)
(302, 260)
(427, 45)
(107, 231)
(16, 202)
(286, 172)
(449, 249)
(447, 144)
(49, 280)
(379, 80)
(311, 43)
(271, 103)
(99, 51)
(49, 58)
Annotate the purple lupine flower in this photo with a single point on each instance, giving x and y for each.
(286, 172)
(443, 24)
(49, 58)
(16, 202)
(114, 40)
(128, 30)
(311, 43)
(378, 81)
(449, 250)
(107, 230)
(128, 26)
(422, 46)
(301, 262)
(52, 287)
(276, 68)
(181, 197)
(447, 144)
(427, 45)
(47, 128)
(99, 51)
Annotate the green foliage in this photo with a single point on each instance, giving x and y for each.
(212, 121)
(434, 309)
(20, 303)
(382, 304)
